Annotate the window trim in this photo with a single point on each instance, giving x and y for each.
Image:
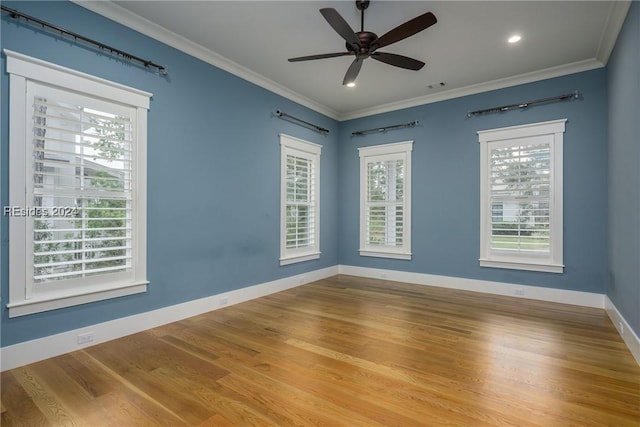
(553, 262)
(311, 151)
(23, 69)
(397, 149)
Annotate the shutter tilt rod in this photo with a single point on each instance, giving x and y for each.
(286, 116)
(385, 128)
(573, 95)
(129, 57)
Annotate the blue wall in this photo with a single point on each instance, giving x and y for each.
(624, 170)
(213, 170)
(213, 174)
(445, 182)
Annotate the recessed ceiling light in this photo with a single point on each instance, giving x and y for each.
(351, 84)
(514, 39)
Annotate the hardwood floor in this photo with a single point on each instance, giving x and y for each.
(345, 351)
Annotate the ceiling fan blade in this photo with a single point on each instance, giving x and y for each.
(398, 60)
(405, 30)
(341, 27)
(321, 56)
(353, 71)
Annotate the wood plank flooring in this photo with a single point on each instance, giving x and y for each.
(345, 351)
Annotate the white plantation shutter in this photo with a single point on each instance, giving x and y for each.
(385, 183)
(77, 187)
(385, 203)
(300, 171)
(520, 189)
(300, 202)
(82, 187)
(521, 197)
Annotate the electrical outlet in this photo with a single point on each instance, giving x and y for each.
(621, 327)
(519, 292)
(85, 338)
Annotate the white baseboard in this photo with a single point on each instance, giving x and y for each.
(628, 335)
(54, 345)
(586, 299)
(38, 349)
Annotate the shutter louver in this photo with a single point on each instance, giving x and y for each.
(82, 191)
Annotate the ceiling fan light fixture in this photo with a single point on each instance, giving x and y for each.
(514, 38)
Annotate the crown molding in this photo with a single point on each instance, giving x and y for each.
(533, 76)
(110, 10)
(615, 20)
(138, 23)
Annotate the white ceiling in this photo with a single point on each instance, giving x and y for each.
(467, 49)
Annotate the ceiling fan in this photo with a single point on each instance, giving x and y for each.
(364, 44)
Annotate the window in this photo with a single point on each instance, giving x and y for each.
(385, 200)
(77, 187)
(300, 200)
(521, 197)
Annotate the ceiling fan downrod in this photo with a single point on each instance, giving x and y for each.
(362, 5)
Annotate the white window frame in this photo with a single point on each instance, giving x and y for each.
(310, 151)
(377, 153)
(553, 132)
(23, 72)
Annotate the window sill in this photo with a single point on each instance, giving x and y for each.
(384, 254)
(522, 265)
(59, 300)
(299, 258)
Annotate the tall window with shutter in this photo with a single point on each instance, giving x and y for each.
(300, 200)
(385, 200)
(521, 197)
(77, 228)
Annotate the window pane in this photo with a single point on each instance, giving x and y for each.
(299, 224)
(298, 185)
(524, 226)
(385, 225)
(377, 179)
(520, 190)
(377, 225)
(520, 171)
(385, 180)
(82, 169)
(385, 183)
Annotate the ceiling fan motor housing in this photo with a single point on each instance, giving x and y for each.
(365, 38)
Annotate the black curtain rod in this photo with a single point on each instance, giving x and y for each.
(385, 128)
(17, 14)
(573, 95)
(286, 116)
